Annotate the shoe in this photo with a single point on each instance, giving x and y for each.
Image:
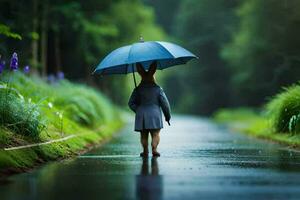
(144, 154)
(155, 154)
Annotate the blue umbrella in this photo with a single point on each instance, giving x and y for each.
(123, 59)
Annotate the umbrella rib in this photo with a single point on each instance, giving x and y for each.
(161, 46)
(129, 54)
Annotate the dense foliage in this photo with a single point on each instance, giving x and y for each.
(203, 27)
(263, 54)
(29, 105)
(284, 110)
(18, 115)
(248, 50)
(73, 36)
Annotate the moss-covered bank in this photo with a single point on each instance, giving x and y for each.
(20, 160)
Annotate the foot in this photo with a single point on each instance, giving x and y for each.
(155, 154)
(144, 154)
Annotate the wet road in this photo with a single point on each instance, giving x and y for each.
(200, 160)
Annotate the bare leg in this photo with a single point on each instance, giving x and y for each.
(144, 142)
(155, 141)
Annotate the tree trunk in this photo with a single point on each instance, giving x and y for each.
(57, 51)
(34, 42)
(44, 38)
(87, 68)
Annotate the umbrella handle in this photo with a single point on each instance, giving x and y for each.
(133, 74)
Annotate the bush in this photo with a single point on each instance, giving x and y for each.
(80, 103)
(83, 104)
(33, 100)
(284, 110)
(20, 116)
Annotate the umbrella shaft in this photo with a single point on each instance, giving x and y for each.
(133, 74)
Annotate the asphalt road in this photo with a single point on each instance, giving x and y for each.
(200, 160)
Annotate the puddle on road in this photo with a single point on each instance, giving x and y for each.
(274, 159)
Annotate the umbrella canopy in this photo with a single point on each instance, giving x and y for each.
(123, 59)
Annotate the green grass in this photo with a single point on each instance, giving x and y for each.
(34, 111)
(255, 124)
(240, 114)
(279, 121)
(284, 110)
(18, 115)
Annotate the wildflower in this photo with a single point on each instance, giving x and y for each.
(50, 105)
(26, 69)
(60, 75)
(51, 78)
(2, 65)
(59, 114)
(14, 61)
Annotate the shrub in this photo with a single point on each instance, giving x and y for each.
(18, 115)
(83, 104)
(284, 110)
(78, 102)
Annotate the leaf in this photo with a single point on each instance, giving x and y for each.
(5, 30)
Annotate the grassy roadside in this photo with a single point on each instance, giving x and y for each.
(23, 159)
(255, 124)
(34, 111)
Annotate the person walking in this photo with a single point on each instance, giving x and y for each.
(147, 100)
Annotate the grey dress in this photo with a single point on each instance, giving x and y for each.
(146, 101)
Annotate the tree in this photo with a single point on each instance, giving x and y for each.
(166, 12)
(73, 36)
(203, 27)
(264, 52)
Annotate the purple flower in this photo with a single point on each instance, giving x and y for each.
(60, 75)
(26, 69)
(2, 65)
(51, 78)
(14, 61)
